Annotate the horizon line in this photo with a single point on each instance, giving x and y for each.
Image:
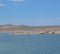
(27, 25)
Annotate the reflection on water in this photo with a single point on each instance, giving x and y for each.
(29, 44)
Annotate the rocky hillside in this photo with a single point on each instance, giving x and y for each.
(29, 29)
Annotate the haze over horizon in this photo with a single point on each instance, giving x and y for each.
(30, 12)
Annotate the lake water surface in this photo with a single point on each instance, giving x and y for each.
(29, 44)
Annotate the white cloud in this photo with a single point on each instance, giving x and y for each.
(2, 4)
(17, 0)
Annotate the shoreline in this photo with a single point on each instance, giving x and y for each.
(17, 33)
(18, 29)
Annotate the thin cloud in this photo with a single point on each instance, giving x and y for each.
(17, 0)
(2, 4)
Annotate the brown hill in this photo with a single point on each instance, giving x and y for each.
(23, 28)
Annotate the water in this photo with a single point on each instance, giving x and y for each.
(29, 44)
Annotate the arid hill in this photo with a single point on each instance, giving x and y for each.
(29, 29)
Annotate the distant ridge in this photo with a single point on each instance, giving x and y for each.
(29, 29)
(26, 25)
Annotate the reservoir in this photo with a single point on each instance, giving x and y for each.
(29, 44)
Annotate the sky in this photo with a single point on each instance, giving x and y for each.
(30, 12)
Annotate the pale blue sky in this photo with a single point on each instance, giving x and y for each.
(30, 12)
